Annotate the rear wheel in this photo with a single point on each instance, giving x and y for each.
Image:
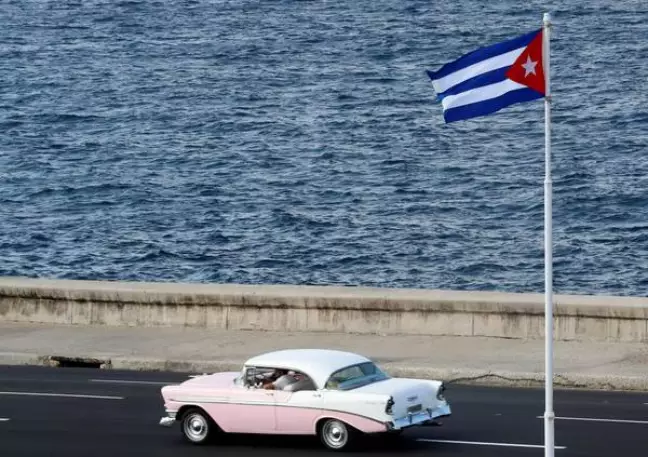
(336, 435)
(197, 427)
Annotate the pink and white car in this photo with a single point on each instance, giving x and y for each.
(333, 394)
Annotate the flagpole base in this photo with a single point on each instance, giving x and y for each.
(549, 444)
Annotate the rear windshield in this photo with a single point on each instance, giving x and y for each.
(355, 376)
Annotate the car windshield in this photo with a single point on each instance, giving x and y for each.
(355, 376)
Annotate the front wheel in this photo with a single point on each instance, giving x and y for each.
(336, 435)
(197, 427)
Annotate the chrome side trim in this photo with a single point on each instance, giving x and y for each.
(210, 399)
(410, 420)
(207, 400)
(322, 409)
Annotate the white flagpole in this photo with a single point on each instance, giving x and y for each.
(549, 415)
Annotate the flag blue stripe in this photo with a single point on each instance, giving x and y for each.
(484, 79)
(490, 106)
(483, 54)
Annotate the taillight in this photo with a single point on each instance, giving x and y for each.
(440, 395)
(390, 403)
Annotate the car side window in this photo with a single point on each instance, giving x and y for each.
(304, 385)
(342, 376)
(276, 379)
(300, 382)
(260, 377)
(355, 376)
(254, 376)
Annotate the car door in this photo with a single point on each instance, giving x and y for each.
(250, 410)
(296, 412)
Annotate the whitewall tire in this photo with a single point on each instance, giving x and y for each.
(336, 435)
(196, 426)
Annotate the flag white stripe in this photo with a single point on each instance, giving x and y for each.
(503, 60)
(480, 94)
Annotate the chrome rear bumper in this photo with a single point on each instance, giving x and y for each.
(167, 421)
(422, 418)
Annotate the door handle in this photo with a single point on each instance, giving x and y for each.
(317, 395)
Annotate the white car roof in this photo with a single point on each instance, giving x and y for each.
(318, 364)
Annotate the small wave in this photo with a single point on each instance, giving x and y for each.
(67, 118)
(129, 4)
(88, 189)
(349, 261)
(104, 19)
(288, 219)
(271, 263)
(162, 254)
(394, 162)
(406, 191)
(11, 124)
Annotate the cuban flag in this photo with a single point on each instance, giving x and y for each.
(491, 78)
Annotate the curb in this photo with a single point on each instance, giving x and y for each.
(449, 375)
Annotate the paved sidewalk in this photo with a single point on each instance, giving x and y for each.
(491, 361)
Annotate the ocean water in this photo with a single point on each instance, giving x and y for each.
(298, 142)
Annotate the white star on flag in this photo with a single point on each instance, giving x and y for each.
(529, 66)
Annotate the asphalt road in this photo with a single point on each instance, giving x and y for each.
(81, 412)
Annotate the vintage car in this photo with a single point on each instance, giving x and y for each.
(332, 394)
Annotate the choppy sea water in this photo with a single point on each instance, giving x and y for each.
(297, 142)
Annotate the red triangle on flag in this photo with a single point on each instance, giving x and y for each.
(528, 69)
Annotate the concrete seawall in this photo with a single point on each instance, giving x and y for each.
(315, 308)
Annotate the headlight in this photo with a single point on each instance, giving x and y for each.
(390, 403)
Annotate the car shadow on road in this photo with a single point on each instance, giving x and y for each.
(364, 443)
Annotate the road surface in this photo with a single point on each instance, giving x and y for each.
(80, 412)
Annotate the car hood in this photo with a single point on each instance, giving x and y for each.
(219, 380)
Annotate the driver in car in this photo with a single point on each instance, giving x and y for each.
(279, 380)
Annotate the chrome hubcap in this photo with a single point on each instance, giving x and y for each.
(195, 427)
(335, 434)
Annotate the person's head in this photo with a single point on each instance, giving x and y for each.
(280, 372)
